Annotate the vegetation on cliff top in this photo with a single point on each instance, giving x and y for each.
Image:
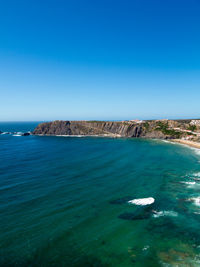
(192, 128)
(164, 128)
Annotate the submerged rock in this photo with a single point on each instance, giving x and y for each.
(122, 200)
(141, 214)
(26, 134)
(132, 216)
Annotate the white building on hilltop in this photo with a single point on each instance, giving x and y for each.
(195, 122)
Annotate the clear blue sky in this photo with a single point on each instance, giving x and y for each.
(99, 59)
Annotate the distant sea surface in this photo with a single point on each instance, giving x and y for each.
(64, 201)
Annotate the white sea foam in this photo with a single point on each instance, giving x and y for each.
(196, 200)
(165, 141)
(189, 183)
(17, 134)
(197, 174)
(78, 135)
(170, 213)
(65, 135)
(189, 261)
(169, 142)
(142, 201)
(196, 150)
(145, 247)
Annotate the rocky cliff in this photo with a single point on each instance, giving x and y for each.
(148, 129)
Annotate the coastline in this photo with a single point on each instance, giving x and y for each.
(178, 141)
(81, 135)
(187, 143)
(78, 163)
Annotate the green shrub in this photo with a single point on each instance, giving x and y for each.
(146, 125)
(163, 127)
(192, 128)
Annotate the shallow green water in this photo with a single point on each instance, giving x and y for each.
(64, 202)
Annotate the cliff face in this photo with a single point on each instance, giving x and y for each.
(110, 128)
(88, 128)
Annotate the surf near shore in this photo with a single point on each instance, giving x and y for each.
(187, 142)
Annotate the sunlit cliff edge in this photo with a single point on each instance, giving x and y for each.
(161, 129)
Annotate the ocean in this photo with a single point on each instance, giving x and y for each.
(94, 201)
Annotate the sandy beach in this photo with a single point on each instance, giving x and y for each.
(187, 142)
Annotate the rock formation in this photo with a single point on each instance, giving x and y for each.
(162, 129)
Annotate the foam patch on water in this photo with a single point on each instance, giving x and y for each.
(67, 135)
(165, 141)
(170, 213)
(196, 150)
(194, 262)
(5, 133)
(80, 135)
(196, 200)
(189, 183)
(17, 134)
(142, 201)
(193, 176)
(169, 142)
(146, 247)
(197, 174)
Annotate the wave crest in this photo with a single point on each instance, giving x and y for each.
(142, 201)
(171, 213)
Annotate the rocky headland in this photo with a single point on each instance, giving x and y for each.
(159, 129)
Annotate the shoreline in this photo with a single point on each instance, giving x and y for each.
(187, 143)
(80, 135)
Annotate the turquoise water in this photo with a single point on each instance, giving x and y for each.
(64, 201)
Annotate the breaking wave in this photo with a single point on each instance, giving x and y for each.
(142, 201)
(189, 183)
(171, 213)
(195, 200)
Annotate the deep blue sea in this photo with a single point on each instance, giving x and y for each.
(64, 201)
